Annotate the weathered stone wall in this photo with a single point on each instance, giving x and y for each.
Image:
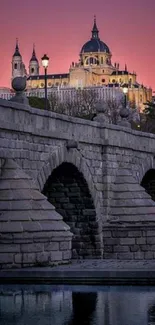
(129, 242)
(37, 140)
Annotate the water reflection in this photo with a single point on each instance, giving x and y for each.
(49, 305)
(151, 315)
(83, 308)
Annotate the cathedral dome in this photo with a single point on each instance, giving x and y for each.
(95, 44)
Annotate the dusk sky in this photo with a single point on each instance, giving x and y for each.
(60, 28)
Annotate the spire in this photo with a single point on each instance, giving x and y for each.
(17, 53)
(95, 30)
(33, 57)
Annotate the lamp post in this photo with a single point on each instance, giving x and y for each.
(125, 91)
(45, 60)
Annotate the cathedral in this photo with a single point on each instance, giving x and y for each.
(94, 69)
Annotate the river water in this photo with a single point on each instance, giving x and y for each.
(76, 305)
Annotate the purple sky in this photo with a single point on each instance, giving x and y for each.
(60, 28)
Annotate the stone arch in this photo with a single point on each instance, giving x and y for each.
(74, 157)
(68, 191)
(148, 182)
(146, 165)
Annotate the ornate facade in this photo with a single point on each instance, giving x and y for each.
(95, 68)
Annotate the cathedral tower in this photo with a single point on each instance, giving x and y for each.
(18, 67)
(34, 64)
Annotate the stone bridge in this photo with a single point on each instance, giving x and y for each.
(73, 188)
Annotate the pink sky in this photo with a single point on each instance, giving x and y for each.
(60, 28)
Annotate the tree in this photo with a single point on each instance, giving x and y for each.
(113, 107)
(37, 102)
(79, 103)
(150, 109)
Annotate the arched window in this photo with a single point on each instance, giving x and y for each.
(15, 66)
(91, 60)
(32, 70)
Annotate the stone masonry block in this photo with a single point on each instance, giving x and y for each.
(150, 240)
(51, 246)
(56, 256)
(66, 255)
(9, 248)
(127, 241)
(141, 241)
(108, 249)
(18, 258)
(106, 234)
(135, 233)
(43, 257)
(29, 258)
(150, 233)
(125, 256)
(64, 245)
(134, 248)
(139, 255)
(120, 233)
(6, 258)
(31, 248)
(121, 249)
(149, 255)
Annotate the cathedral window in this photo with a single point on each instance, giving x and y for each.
(15, 66)
(32, 70)
(141, 98)
(91, 60)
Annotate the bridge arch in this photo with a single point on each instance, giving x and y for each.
(72, 164)
(148, 182)
(143, 167)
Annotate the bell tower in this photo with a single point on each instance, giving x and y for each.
(17, 63)
(33, 64)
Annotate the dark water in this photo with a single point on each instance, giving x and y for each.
(76, 305)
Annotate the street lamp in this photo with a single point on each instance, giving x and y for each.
(125, 91)
(45, 60)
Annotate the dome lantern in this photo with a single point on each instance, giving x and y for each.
(95, 31)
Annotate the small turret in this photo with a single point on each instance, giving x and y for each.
(18, 68)
(34, 64)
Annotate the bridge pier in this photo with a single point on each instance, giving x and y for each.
(32, 233)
